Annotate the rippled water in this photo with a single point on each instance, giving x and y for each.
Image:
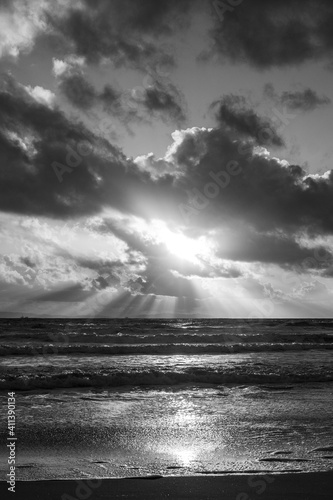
(261, 399)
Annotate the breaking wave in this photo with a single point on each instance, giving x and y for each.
(159, 348)
(151, 377)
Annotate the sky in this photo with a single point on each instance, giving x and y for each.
(166, 158)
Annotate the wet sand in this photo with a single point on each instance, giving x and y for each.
(297, 486)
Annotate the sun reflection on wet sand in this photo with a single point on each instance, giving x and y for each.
(185, 456)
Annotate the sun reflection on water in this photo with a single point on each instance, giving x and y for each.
(184, 455)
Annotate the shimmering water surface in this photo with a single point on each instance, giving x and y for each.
(184, 397)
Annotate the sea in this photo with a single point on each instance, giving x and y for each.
(143, 397)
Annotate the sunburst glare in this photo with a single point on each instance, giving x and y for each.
(180, 245)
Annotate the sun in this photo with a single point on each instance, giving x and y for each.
(180, 245)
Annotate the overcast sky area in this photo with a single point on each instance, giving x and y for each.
(166, 158)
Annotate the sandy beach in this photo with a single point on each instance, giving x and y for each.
(302, 486)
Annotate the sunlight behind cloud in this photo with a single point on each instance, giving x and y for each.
(182, 246)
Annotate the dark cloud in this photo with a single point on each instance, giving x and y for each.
(114, 274)
(227, 180)
(246, 244)
(271, 33)
(158, 100)
(126, 32)
(265, 192)
(136, 285)
(303, 100)
(218, 181)
(148, 16)
(55, 167)
(233, 112)
(100, 283)
(110, 97)
(78, 91)
(28, 262)
(164, 282)
(94, 33)
(163, 100)
(5, 4)
(328, 273)
(82, 94)
(306, 100)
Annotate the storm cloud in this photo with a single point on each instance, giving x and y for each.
(270, 33)
(298, 100)
(132, 176)
(159, 99)
(261, 189)
(233, 112)
(198, 190)
(62, 169)
(103, 30)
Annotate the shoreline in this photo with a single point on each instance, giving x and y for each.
(286, 486)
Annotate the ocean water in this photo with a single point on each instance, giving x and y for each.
(133, 397)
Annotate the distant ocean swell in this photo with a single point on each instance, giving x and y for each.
(16, 349)
(167, 338)
(150, 377)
